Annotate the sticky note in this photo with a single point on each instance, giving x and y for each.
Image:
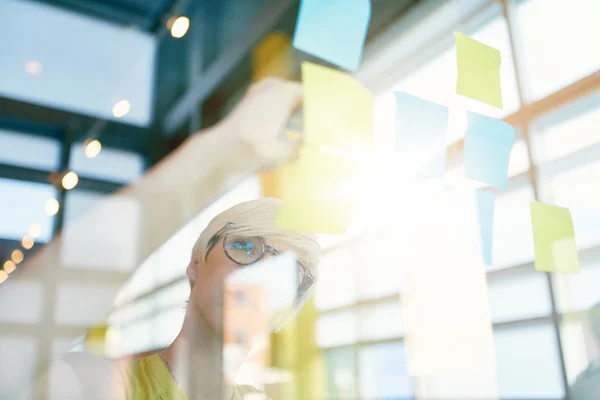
(334, 30)
(319, 193)
(488, 143)
(554, 238)
(420, 135)
(478, 70)
(485, 212)
(338, 110)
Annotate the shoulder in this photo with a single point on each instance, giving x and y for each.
(98, 377)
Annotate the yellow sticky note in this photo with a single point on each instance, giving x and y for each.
(319, 193)
(338, 110)
(554, 238)
(478, 70)
(313, 216)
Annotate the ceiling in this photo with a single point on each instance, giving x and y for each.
(224, 23)
(146, 15)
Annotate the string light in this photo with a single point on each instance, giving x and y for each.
(35, 230)
(121, 108)
(178, 26)
(51, 207)
(70, 180)
(92, 148)
(17, 256)
(27, 242)
(9, 266)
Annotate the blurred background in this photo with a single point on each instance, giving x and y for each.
(95, 92)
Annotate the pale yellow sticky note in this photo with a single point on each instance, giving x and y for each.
(338, 110)
(478, 70)
(554, 239)
(314, 216)
(319, 193)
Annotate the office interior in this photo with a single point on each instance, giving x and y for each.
(94, 93)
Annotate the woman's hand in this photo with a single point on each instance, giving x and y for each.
(259, 120)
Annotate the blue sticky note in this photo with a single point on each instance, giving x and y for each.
(485, 212)
(420, 136)
(334, 30)
(488, 142)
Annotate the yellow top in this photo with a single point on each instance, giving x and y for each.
(149, 379)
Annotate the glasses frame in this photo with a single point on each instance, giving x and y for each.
(222, 233)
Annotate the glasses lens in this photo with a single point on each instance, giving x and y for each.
(243, 249)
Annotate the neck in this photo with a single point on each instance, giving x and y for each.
(196, 359)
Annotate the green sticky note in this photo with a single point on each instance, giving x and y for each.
(478, 70)
(554, 239)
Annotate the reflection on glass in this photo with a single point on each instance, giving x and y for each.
(583, 355)
(579, 292)
(382, 372)
(341, 382)
(337, 329)
(380, 321)
(336, 286)
(513, 238)
(527, 362)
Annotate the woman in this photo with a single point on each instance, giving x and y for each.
(248, 140)
(192, 366)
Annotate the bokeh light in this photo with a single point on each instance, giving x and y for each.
(92, 148)
(35, 230)
(27, 242)
(33, 67)
(3, 276)
(51, 207)
(17, 256)
(70, 180)
(9, 266)
(178, 26)
(121, 108)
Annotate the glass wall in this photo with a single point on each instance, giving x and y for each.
(551, 95)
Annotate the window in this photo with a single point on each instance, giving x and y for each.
(382, 372)
(573, 127)
(557, 149)
(29, 151)
(341, 382)
(22, 204)
(110, 165)
(518, 294)
(554, 58)
(527, 363)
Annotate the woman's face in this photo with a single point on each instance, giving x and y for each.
(209, 289)
(208, 284)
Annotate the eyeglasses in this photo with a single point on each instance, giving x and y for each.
(246, 250)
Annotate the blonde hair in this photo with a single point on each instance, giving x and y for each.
(257, 218)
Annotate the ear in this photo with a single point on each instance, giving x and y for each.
(192, 270)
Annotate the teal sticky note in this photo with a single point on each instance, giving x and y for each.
(488, 143)
(420, 135)
(485, 212)
(334, 30)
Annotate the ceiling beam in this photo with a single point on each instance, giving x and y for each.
(222, 67)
